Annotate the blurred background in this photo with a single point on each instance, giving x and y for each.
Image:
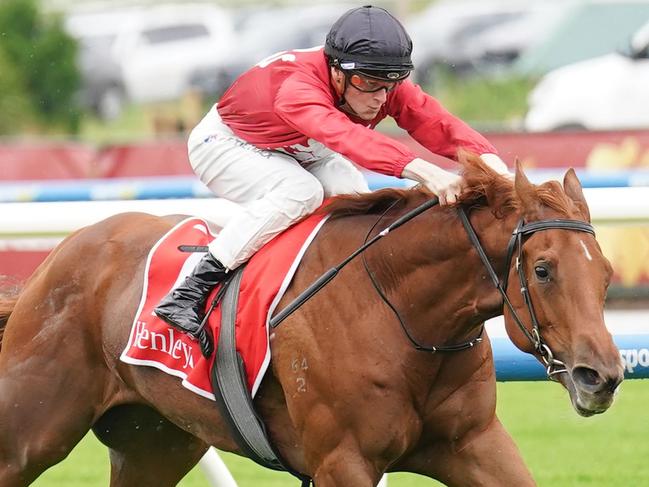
(115, 69)
(97, 99)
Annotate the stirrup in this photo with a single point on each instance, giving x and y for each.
(203, 335)
(205, 341)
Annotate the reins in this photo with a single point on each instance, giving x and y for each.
(305, 295)
(319, 283)
(418, 346)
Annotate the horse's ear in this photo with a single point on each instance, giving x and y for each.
(572, 187)
(525, 192)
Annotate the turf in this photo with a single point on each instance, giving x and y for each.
(561, 449)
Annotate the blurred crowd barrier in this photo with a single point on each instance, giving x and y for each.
(22, 161)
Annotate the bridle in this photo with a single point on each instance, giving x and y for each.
(553, 366)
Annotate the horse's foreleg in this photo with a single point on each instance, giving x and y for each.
(345, 467)
(335, 458)
(489, 459)
(53, 381)
(145, 448)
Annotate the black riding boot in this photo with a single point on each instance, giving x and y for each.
(184, 306)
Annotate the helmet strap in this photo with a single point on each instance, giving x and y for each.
(345, 87)
(342, 101)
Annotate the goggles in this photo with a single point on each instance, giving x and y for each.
(370, 85)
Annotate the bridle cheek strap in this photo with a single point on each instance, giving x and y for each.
(553, 366)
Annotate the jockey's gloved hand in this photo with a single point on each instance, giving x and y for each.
(497, 164)
(447, 186)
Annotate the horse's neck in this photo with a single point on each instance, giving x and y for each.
(442, 285)
(438, 287)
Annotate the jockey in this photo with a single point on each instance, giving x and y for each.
(293, 129)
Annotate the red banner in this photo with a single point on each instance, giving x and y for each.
(597, 150)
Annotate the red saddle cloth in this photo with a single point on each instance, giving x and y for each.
(266, 277)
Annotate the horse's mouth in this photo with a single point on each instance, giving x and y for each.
(585, 403)
(596, 405)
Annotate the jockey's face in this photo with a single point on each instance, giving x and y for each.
(363, 104)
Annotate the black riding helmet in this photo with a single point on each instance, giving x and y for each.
(369, 40)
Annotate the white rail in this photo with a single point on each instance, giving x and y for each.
(607, 205)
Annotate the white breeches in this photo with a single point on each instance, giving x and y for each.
(272, 188)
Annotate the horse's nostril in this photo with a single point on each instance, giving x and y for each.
(613, 383)
(587, 377)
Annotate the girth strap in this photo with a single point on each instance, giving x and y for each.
(231, 392)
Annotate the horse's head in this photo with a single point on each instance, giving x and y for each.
(566, 277)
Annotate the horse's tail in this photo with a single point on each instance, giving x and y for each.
(8, 297)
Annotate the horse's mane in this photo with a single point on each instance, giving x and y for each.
(374, 202)
(484, 188)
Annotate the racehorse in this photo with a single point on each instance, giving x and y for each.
(382, 370)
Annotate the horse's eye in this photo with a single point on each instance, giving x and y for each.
(542, 272)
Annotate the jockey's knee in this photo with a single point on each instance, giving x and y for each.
(313, 197)
(300, 199)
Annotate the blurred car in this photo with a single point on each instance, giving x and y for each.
(264, 32)
(147, 54)
(479, 36)
(606, 92)
(502, 45)
(102, 85)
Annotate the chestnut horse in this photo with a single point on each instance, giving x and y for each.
(348, 395)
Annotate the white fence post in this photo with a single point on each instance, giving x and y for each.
(215, 470)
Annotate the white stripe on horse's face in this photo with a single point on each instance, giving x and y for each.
(588, 256)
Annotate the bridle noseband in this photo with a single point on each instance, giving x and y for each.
(553, 366)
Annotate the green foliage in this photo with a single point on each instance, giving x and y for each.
(484, 100)
(15, 106)
(41, 58)
(561, 448)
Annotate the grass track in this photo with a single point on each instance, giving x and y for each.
(562, 449)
